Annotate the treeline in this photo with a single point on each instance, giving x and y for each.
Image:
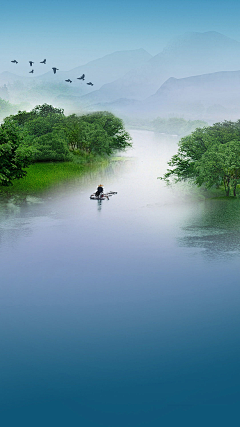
(170, 126)
(7, 108)
(209, 157)
(46, 134)
(176, 126)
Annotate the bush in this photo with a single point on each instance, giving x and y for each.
(52, 146)
(15, 156)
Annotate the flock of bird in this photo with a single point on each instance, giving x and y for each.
(54, 71)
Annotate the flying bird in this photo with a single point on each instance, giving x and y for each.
(31, 63)
(55, 69)
(32, 71)
(43, 62)
(82, 77)
(14, 61)
(68, 80)
(90, 83)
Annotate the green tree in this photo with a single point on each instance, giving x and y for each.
(46, 110)
(53, 135)
(209, 156)
(220, 164)
(118, 138)
(15, 155)
(40, 111)
(77, 132)
(20, 118)
(52, 146)
(41, 125)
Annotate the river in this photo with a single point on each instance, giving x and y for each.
(124, 312)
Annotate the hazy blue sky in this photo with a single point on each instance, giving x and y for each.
(71, 33)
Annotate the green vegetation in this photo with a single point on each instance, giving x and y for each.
(176, 126)
(170, 126)
(42, 176)
(15, 155)
(209, 157)
(45, 134)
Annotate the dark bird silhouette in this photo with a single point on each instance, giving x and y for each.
(43, 62)
(55, 69)
(90, 83)
(32, 71)
(14, 61)
(82, 77)
(68, 80)
(31, 63)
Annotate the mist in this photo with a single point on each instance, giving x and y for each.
(194, 77)
(123, 311)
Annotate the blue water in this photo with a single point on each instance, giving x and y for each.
(124, 313)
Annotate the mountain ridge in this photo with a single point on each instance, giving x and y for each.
(210, 52)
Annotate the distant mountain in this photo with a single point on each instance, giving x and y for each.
(210, 97)
(187, 55)
(196, 75)
(111, 67)
(99, 72)
(8, 78)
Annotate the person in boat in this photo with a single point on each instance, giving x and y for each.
(100, 190)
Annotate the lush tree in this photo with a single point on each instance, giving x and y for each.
(99, 133)
(77, 132)
(45, 110)
(119, 139)
(88, 137)
(97, 141)
(209, 156)
(220, 164)
(52, 146)
(20, 118)
(53, 135)
(15, 155)
(41, 125)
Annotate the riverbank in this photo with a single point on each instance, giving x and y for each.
(41, 176)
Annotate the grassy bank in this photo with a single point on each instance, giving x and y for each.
(42, 176)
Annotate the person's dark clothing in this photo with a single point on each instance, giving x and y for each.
(99, 191)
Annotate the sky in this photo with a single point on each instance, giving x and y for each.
(72, 33)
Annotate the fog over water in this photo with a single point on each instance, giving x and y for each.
(124, 313)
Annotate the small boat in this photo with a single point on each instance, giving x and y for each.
(102, 196)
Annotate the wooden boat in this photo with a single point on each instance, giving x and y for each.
(102, 196)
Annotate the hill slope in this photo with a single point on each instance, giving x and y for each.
(214, 96)
(187, 55)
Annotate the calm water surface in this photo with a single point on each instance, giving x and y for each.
(124, 313)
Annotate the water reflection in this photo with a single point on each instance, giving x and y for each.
(106, 316)
(20, 214)
(14, 223)
(214, 227)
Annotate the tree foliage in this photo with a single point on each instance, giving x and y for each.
(99, 133)
(15, 155)
(209, 156)
(46, 134)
